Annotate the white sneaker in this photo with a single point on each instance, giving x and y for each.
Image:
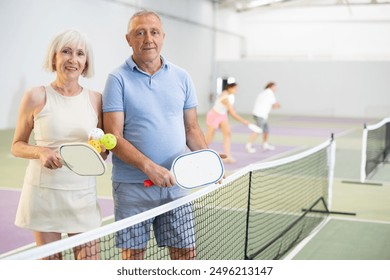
(268, 147)
(249, 148)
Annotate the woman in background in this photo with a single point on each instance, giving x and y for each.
(218, 117)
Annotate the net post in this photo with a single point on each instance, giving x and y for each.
(331, 164)
(375, 148)
(246, 257)
(363, 174)
(386, 151)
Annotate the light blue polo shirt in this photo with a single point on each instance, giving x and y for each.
(153, 107)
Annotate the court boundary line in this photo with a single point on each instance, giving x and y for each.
(10, 189)
(345, 132)
(306, 241)
(20, 190)
(299, 247)
(361, 220)
(285, 154)
(33, 244)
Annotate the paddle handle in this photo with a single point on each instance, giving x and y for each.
(255, 128)
(148, 183)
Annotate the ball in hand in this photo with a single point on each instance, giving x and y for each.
(96, 144)
(108, 141)
(96, 133)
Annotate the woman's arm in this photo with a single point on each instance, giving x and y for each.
(32, 103)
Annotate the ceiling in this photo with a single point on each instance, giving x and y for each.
(246, 5)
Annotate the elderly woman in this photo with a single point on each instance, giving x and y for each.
(54, 200)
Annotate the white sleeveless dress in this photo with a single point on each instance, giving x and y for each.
(59, 200)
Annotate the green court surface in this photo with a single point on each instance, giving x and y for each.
(349, 240)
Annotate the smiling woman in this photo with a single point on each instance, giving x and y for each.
(54, 200)
(61, 43)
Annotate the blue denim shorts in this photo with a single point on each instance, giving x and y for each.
(174, 228)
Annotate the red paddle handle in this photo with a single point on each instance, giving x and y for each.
(148, 183)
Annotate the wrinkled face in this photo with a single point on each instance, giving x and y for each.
(146, 38)
(70, 61)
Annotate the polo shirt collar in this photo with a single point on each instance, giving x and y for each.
(130, 62)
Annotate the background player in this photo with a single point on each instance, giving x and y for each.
(265, 102)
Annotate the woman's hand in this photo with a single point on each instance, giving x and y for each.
(49, 158)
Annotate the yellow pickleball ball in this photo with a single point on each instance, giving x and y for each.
(96, 144)
(108, 140)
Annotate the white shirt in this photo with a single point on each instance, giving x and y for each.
(263, 103)
(219, 107)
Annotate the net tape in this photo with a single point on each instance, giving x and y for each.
(375, 148)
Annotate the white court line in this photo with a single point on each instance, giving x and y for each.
(274, 157)
(10, 189)
(18, 250)
(33, 245)
(286, 153)
(361, 220)
(346, 132)
(305, 241)
(20, 189)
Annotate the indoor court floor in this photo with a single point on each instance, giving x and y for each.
(363, 236)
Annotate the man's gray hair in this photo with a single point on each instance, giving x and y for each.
(140, 14)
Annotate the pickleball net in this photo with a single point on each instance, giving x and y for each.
(375, 148)
(259, 212)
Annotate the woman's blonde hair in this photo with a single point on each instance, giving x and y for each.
(70, 37)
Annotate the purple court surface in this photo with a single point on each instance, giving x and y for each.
(12, 237)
